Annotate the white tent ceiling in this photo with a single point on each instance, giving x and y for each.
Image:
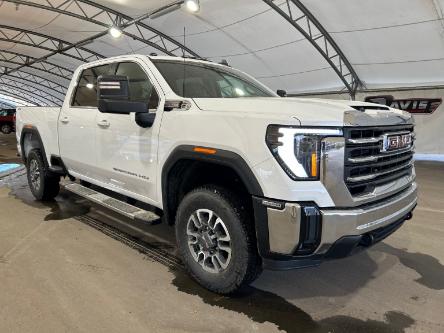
(389, 43)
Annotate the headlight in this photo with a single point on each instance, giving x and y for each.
(298, 149)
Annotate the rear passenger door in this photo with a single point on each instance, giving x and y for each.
(77, 124)
(127, 152)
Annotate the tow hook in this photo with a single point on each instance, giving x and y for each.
(367, 240)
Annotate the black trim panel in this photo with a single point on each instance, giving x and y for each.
(261, 222)
(221, 157)
(35, 134)
(56, 161)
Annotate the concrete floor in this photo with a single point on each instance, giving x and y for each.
(72, 267)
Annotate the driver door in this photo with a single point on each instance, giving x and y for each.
(77, 125)
(127, 152)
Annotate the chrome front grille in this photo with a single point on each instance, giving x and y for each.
(367, 165)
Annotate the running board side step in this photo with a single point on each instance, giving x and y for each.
(130, 211)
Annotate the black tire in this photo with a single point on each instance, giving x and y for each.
(6, 128)
(44, 185)
(244, 265)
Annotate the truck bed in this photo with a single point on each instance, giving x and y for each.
(45, 120)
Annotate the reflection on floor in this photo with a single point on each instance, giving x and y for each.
(72, 266)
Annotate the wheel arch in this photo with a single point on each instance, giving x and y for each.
(30, 139)
(184, 158)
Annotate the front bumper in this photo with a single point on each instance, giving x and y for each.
(289, 238)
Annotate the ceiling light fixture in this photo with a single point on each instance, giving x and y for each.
(192, 5)
(115, 32)
(239, 92)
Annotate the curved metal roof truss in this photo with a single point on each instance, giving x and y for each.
(106, 17)
(20, 94)
(44, 66)
(6, 103)
(306, 23)
(46, 93)
(39, 80)
(44, 42)
(38, 94)
(13, 97)
(87, 11)
(292, 11)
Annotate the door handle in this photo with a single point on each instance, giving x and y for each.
(103, 123)
(64, 120)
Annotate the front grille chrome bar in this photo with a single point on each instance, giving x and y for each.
(367, 165)
(375, 158)
(364, 140)
(363, 159)
(358, 179)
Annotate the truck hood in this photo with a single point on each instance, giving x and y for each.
(309, 112)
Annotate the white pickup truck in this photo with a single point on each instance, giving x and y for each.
(250, 179)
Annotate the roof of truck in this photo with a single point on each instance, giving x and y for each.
(187, 59)
(151, 57)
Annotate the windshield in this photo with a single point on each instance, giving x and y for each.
(197, 80)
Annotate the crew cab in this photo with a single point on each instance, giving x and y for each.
(249, 179)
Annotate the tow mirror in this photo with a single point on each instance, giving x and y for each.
(282, 93)
(114, 96)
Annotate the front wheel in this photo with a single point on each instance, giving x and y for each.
(216, 239)
(6, 128)
(44, 185)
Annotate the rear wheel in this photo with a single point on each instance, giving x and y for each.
(6, 128)
(216, 239)
(44, 185)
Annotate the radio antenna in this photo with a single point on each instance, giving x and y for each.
(184, 65)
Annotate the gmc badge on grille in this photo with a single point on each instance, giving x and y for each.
(396, 141)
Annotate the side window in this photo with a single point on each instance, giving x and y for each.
(86, 91)
(140, 87)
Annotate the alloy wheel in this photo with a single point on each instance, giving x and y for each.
(209, 240)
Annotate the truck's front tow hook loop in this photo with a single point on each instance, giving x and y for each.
(367, 240)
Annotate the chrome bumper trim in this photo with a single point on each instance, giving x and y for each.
(348, 222)
(284, 225)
